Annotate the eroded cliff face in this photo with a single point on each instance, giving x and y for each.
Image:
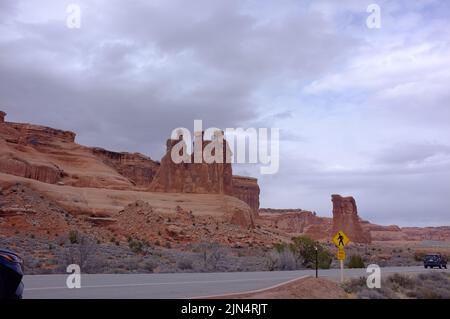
(247, 190)
(52, 156)
(29, 134)
(345, 218)
(50, 184)
(16, 140)
(19, 167)
(200, 178)
(138, 168)
(297, 222)
(204, 178)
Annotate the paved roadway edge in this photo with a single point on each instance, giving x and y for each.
(234, 294)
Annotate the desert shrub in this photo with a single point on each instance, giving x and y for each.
(382, 293)
(366, 293)
(325, 259)
(136, 246)
(279, 247)
(82, 253)
(73, 237)
(286, 261)
(212, 255)
(185, 264)
(432, 276)
(216, 255)
(401, 281)
(355, 261)
(433, 285)
(283, 260)
(354, 285)
(304, 248)
(150, 266)
(419, 256)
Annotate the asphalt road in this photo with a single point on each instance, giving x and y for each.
(179, 285)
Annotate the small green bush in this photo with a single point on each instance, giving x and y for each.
(305, 250)
(136, 246)
(356, 261)
(73, 237)
(325, 259)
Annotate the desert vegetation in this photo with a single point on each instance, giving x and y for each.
(134, 255)
(299, 254)
(432, 285)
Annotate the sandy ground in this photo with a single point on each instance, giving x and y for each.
(108, 201)
(303, 288)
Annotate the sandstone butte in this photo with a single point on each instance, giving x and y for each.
(49, 184)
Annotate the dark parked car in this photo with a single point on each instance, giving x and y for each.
(435, 260)
(11, 286)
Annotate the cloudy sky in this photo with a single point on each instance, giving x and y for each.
(362, 112)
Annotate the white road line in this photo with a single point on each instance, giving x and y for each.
(252, 291)
(324, 274)
(163, 283)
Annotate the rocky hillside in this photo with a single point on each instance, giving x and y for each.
(51, 156)
(49, 185)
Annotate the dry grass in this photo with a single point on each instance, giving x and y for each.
(431, 285)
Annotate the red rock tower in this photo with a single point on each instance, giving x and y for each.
(345, 218)
(2, 116)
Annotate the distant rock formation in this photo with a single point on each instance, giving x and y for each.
(50, 184)
(35, 135)
(247, 190)
(345, 218)
(51, 156)
(297, 222)
(204, 178)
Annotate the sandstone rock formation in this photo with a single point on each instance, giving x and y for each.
(138, 168)
(49, 185)
(406, 234)
(345, 218)
(204, 178)
(23, 168)
(247, 190)
(192, 177)
(297, 222)
(143, 220)
(52, 156)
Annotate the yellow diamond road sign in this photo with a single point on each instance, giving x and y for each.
(341, 254)
(340, 239)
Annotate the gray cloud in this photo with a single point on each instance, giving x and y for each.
(362, 112)
(413, 153)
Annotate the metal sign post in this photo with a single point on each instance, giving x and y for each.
(317, 261)
(340, 240)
